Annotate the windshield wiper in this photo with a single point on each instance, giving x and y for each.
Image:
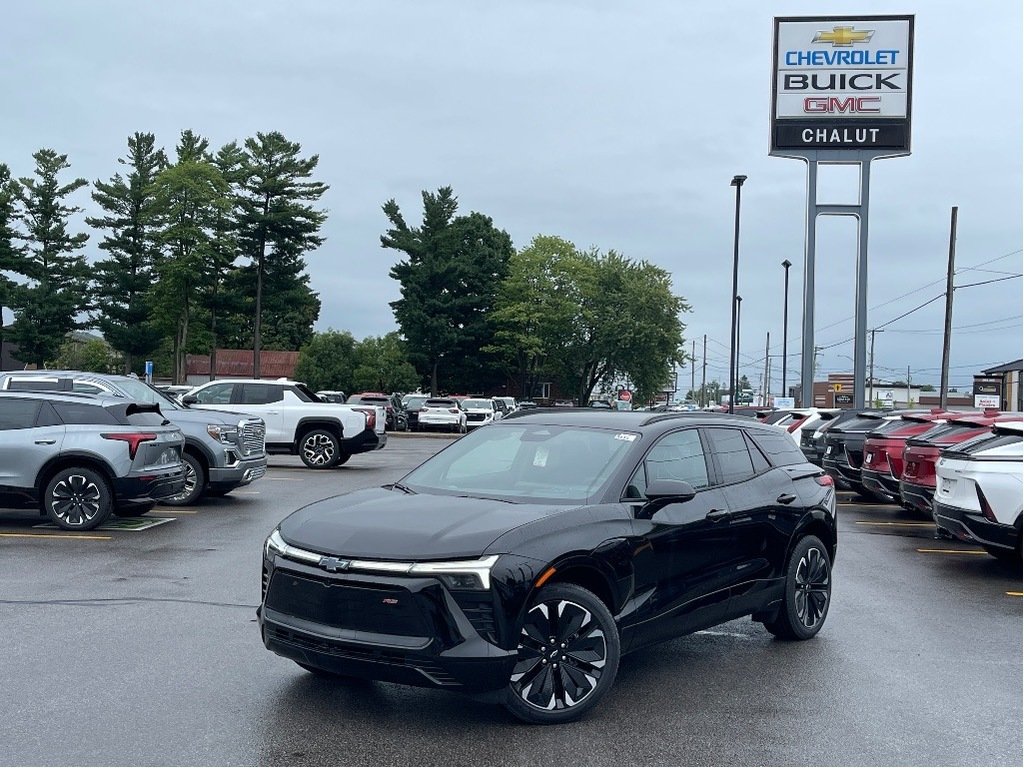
(402, 488)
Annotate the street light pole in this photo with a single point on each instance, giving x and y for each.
(785, 327)
(737, 181)
(736, 359)
(871, 375)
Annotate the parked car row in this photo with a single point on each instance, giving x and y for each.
(961, 469)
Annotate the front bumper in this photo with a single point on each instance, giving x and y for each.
(917, 496)
(972, 527)
(149, 486)
(242, 473)
(435, 421)
(367, 440)
(407, 630)
(880, 482)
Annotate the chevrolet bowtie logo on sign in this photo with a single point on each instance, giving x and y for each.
(844, 36)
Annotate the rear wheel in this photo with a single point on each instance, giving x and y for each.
(1009, 556)
(808, 591)
(78, 499)
(319, 449)
(568, 656)
(342, 458)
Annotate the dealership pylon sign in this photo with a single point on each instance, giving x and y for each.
(842, 83)
(841, 90)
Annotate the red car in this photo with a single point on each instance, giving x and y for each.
(883, 450)
(917, 485)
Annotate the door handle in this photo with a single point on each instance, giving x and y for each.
(786, 498)
(717, 514)
(272, 413)
(45, 442)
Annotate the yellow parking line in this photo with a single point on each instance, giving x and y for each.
(1015, 594)
(902, 525)
(53, 536)
(173, 511)
(955, 551)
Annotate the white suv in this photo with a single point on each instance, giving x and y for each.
(298, 422)
(978, 490)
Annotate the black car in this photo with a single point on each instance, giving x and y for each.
(844, 448)
(523, 560)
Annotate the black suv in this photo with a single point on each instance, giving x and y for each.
(77, 458)
(523, 560)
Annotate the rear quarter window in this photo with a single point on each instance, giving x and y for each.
(145, 419)
(780, 448)
(83, 413)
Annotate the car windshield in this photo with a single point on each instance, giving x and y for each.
(472, 403)
(142, 392)
(525, 462)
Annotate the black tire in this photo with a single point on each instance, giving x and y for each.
(808, 592)
(195, 482)
(342, 458)
(585, 666)
(319, 449)
(1008, 556)
(134, 510)
(77, 499)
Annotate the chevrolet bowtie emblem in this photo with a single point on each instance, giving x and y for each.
(843, 36)
(334, 564)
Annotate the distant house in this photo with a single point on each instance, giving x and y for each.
(237, 364)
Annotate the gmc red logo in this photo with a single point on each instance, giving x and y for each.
(832, 104)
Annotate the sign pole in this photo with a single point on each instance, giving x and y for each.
(807, 353)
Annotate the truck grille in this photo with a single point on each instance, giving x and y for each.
(252, 436)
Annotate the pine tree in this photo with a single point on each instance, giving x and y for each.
(277, 213)
(10, 248)
(48, 305)
(123, 281)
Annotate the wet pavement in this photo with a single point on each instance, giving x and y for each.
(140, 647)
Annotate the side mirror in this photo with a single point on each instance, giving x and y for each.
(189, 400)
(662, 492)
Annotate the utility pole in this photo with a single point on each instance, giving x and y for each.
(908, 386)
(704, 375)
(946, 337)
(693, 365)
(736, 360)
(764, 379)
(785, 328)
(871, 376)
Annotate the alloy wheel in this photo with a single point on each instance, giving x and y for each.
(812, 587)
(76, 500)
(190, 484)
(318, 450)
(562, 655)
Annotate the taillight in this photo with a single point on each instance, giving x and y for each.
(796, 424)
(986, 509)
(453, 410)
(825, 480)
(134, 439)
(371, 416)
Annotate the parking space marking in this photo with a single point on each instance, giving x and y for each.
(1015, 594)
(954, 551)
(54, 536)
(175, 511)
(122, 524)
(897, 523)
(246, 493)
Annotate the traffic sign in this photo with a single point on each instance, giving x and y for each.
(625, 395)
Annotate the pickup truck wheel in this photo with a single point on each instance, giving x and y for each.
(319, 449)
(342, 458)
(195, 482)
(78, 499)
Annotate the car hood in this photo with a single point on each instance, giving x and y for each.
(203, 416)
(378, 523)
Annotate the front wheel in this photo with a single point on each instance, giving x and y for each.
(319, 449)
(568, 656)
(808, 591)
(78, 499)
(195, 483)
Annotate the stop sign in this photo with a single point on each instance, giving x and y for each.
(625, 395)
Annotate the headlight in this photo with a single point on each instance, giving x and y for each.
(460, 574)
(274, 545)
(223, 432)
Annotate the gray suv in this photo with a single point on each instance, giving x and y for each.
(223, 450)
(78, 458)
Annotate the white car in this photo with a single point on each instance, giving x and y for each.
(979, 489)
(480, 411)
(799, 419)
(442, 413)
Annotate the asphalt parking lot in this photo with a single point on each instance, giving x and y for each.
(140, 647)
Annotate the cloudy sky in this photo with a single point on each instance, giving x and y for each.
(612, 124)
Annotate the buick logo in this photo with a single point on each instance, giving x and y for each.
(334, 564)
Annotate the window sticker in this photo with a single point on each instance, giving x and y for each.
(540, 458)
(625, 436)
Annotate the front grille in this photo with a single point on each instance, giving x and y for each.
(347, 605)
(360, 653)
(252, 438)
(264, 581)
(481, 615)
(475, 417)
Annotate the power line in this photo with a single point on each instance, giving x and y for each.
(987, 282)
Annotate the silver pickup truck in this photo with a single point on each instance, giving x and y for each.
(224, 450)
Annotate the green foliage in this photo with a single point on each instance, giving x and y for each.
(384, 366)
(927, 388)
(328, 361)
(123, 281)
(94, 355)
(276, 211)
(449, 279)
(10, 248)
(47, 304)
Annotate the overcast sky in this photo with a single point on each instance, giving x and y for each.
(617, 125)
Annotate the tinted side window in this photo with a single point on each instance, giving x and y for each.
(260, 394)
(89, 389)
(779, 448)
(760, 462)
(83, 413)
(18, 414)
(730, 450)
(218, 394)
(677, 456)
